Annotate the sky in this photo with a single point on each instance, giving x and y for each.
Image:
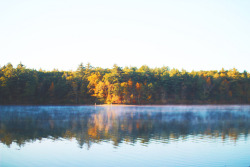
(183, 34)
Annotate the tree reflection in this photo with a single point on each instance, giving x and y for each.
(119, 124)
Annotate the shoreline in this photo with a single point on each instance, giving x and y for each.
(125, 105)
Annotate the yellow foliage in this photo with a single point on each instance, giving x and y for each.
(116, 99)
(216, 75)
(233, 73)
(94, 78)
(124, 84)
(69, 78)
(222, 75)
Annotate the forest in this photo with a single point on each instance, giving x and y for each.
(128, 85)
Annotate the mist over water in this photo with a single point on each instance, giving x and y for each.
(125, 135)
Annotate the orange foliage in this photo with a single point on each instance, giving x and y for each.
(130, 83)
(51, 88)
(208, 81)
(138, 86)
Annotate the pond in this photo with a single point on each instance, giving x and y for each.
(173, 135)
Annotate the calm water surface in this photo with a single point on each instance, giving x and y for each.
(125, 136)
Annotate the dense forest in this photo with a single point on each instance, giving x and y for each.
(129, 85)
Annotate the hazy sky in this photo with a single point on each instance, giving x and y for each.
(194, 35)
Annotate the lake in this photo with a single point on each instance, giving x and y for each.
(174, 135)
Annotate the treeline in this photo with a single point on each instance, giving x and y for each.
(129, 85)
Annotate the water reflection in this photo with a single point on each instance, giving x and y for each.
(88, 124)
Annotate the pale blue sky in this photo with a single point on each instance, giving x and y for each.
(194, 35)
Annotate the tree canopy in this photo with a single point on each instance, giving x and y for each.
(129, 85)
